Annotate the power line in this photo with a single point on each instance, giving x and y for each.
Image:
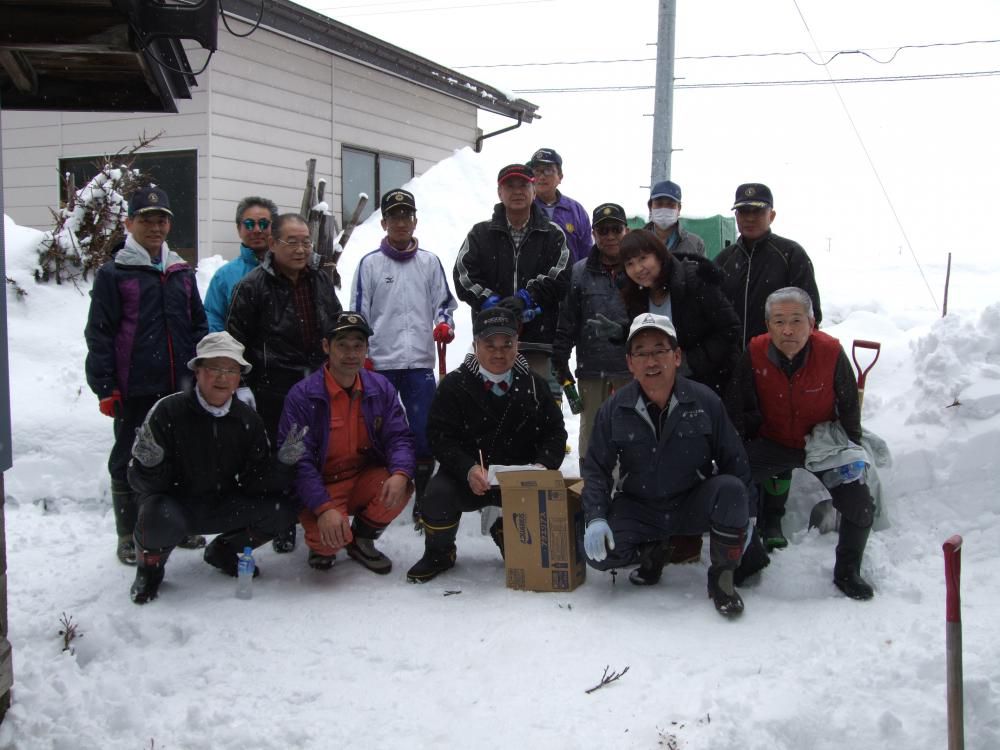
(758, 84)
(871, 161)
(741, 55)
(475, 6)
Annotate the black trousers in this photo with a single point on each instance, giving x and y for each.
(721, 501)
(245, 520)
(446, 499)
(130, 417)
(768, 458)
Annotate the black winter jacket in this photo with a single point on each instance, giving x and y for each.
(488, 264)
(660, 472)
(708, 328)
(262, 317)
(591, 291)
(208, 457)
(753, 271)
(524, 426)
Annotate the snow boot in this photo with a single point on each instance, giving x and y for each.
(126, 550)
(439, 553)
(496, 533)
(192, 541)
(775, 495)
(652, 557)
(126, 514)
(754, 560)
(148, 575)
(284, 542)
(425, 469)
(222, 554)
(321, 562)
(847, 570)
(685, 549)
(725, 548)
(362, 547)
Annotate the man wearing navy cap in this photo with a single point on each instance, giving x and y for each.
(546, 166)
(761, 262)
(518, 259)
(145, 319)
(664, 219)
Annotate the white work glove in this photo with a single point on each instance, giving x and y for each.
(245, 395)
(598, 535)
(145, 449)
(294, 446)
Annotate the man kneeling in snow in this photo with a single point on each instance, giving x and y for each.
(792, 379)
(201, 463)
(682, 466)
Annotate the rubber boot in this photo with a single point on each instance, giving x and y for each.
(126, 515)
(775, 493)
(148, 574)
(725, 549)
(362, 547)
(224, 551)
(685, 549)
(439, 553)
(847, 570)
(422, 475)
(496, 533)
(284, 542)
(754, 560)
(652, 557)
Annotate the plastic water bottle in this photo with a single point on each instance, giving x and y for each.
(244, 574)
(845, 474)
(573, 397)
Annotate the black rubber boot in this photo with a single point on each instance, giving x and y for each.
(422, 475)
(224, 553)
(725, 549)
(754, 560)
(148, 574)
(126, 514)
(847, 570)
(496, 533)
(653, 557)
(285, 541)
(775, 495)
(685, 549)
(362, 547)
(439, 553)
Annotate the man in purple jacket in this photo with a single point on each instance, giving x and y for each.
(546, 164)
(359, 459)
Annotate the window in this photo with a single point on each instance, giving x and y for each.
(176, 172)
(372, 173)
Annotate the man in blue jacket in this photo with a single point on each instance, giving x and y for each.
(682, 465)
(254, 216)
(145, 319)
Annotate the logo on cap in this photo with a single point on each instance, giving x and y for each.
(398, 197)
(352, 319)
(608, 211)
(153, 197)
(750, 192)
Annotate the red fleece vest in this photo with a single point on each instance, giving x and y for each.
(791, 408)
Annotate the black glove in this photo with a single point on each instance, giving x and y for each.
(562, 373)
(605, 328)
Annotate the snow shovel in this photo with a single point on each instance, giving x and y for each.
(863, 372)
(442, 360)
(953, 641)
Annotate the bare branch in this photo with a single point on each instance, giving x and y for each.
(69, 632)
(607, 679)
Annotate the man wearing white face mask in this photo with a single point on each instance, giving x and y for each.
(664, 219)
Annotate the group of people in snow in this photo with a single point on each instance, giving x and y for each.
(271, 406)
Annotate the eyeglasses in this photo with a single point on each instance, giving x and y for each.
(751, 210)
(261, 224)
(303, 244)
(604, 229)
(400, 216)
(647, 356)
(544, 171)
(222, 371)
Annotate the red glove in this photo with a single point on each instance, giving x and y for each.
(444, 333)
(111, 405)
(369, 363)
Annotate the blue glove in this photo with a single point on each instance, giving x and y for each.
(491, 301)
(525, 296)
(598, 535)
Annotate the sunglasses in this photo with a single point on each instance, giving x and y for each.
(250, 224)
(603, 229)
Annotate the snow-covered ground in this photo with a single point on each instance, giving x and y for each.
(349, 659)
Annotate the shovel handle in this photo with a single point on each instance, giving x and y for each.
(953, 643)
(863, 371)
(442, 359)
(953, 577)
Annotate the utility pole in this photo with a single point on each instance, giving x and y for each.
(663, 112)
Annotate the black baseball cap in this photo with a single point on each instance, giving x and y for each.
(398, 199)
(145, 200)
(753, 194)
(493, 321)
(346, 321)
(511, 171)
(545, 156)
(609, 212)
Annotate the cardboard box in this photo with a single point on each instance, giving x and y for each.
(543, 531)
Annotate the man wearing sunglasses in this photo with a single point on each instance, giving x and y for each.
(682, 465)
(664, 206)
(279, 312)
(253, 224)
(593, 290)
(546, 165)
(761, 262)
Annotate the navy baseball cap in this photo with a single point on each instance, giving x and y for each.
(345, 321)
(666, 189)
(398, 199)
(145, 200)
(493, 321)
(609, 212)
(753, 194)
(545, 156)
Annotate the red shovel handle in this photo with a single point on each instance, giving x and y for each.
(863, 372)
(953, 577)
(442, 360)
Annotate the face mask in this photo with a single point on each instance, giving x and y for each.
(664, 218)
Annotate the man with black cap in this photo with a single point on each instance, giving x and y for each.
(546, 166)
(359, 458)
(761, 262)
(201, 462)
(403, 291)
(593, 291)
(682, 465)
(664, 206)
(491, 410)
(145, 319)
(519, 260)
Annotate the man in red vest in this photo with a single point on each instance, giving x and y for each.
(790, 380)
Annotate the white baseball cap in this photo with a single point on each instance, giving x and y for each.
(651, 322)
